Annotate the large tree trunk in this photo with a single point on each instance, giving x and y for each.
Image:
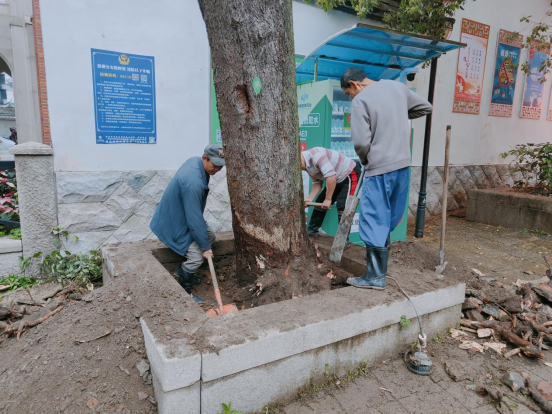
(251, 39)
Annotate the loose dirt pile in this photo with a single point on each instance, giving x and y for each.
(60, 366)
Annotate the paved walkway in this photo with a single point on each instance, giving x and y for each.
(392, 389)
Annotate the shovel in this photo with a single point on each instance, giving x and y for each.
(344, 228)
(222, 309)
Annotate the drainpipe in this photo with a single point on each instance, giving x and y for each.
(420, 213)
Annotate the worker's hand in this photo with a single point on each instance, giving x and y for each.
(208, 253)
(308, 200)
(327, 204)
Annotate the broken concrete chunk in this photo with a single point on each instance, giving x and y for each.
(457, 370)
(142, 395)
(513, 380)
(475, 315)
(491, 310)
(543, 290)
(470, 303)
(142, 367)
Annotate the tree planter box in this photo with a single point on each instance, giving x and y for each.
(265, 355)
(504, 207)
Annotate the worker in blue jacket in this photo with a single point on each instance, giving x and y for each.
(178, 220)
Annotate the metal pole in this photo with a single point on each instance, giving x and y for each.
(420, 213)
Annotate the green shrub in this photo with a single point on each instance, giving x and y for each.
(535, 159)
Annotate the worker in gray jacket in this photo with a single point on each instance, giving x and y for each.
(381, 136)
(178, 220)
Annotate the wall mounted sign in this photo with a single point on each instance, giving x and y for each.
(124, 98)
(471, 67)
(533, 91)
(508, 52)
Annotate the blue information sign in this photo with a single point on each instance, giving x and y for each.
(124, 98)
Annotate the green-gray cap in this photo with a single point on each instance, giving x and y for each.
(216, 154)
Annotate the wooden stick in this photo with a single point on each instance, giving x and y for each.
(444, 199)
(83, 341)
(511, 353)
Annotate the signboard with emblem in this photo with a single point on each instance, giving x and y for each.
(124, 98)
(508, 53)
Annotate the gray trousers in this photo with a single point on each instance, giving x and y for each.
(193, 258)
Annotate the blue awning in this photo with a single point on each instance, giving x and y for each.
(381, 53)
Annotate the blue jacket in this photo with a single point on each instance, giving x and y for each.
(178, 220)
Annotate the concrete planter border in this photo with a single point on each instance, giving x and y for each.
(267, 354)
(504, 207)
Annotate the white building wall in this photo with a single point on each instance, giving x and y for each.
(171, 31)
(479, 139)
(108, 193)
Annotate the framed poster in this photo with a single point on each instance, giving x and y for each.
(533, 91)
(508, 52)
(549, 118)
(470, 70)
(124, 98)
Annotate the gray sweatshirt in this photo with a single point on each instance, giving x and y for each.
(379, 125)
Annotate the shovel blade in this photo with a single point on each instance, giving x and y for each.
(344, 228)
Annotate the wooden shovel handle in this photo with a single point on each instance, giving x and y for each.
(313, 204)
(215, 283)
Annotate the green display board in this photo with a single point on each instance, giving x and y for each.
(315, 102)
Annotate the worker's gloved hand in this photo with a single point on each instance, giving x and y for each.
(208, 253)
(327, 204)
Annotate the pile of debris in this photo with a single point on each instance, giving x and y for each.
(497, 315)
(26, 308)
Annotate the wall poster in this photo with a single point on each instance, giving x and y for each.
(533, 91)
(124, 98)
(508, 52)
(549, 118)
(471, 67)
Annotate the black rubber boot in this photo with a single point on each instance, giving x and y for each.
(376, 269)
(387, 245)
(316, 220)
(187, 280)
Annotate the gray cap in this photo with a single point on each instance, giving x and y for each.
(215, 154)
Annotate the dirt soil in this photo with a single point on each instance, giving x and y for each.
(325, 276)
(47, 371)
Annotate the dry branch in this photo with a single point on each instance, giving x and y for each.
(537, 396)
(29, 324)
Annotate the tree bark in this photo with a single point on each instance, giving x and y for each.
(260, 131)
